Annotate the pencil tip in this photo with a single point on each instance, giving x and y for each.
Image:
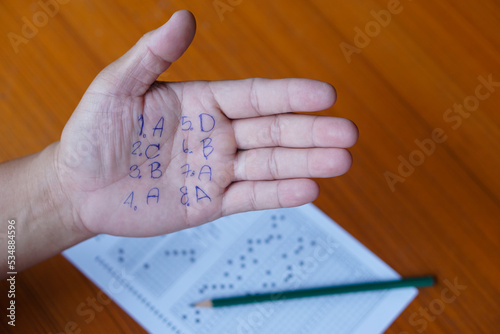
(205, 303)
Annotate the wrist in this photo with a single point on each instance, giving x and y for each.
(59, 200)
(44, 213)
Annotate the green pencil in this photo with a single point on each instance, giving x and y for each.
(331, 290)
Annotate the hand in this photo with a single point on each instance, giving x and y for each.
(140, 157)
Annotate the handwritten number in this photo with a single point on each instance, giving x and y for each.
(186, 124)
(133, 170)
(184, 148)
(188, 171)
(130, 201)
(184, 197)
(141, 124)
(135, 147)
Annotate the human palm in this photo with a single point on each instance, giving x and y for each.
(141, 157)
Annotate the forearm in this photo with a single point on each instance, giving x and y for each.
(31, 195)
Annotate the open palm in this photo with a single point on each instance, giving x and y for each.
(141, 157)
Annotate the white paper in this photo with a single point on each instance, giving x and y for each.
(156, 280)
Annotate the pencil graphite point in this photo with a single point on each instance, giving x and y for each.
(205, 303)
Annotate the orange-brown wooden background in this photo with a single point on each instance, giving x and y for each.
(443, 219)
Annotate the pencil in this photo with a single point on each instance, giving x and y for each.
(323, 291)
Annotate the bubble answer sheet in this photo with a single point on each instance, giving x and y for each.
(156, 280)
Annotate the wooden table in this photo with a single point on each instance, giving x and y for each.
(424, 189)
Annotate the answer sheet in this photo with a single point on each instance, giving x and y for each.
(156, 280)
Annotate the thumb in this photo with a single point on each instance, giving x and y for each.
(134, 72)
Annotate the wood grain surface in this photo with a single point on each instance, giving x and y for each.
(421, 79)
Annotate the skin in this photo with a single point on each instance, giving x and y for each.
(262, 155)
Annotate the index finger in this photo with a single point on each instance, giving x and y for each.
(259, 97)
